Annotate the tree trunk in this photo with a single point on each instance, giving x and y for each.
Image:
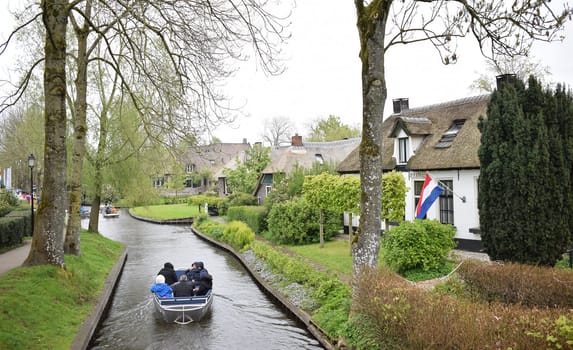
(72, 242)
(96, 202)
(321, 228)
(48, 240)
(350, 232)
(371, 27)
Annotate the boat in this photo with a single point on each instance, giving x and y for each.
(110, 212)
(85, 212)
(184, 310)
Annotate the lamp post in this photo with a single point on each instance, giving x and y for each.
(31, 161)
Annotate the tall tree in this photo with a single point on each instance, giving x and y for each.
(278, 131)
(523, 177)
(331, 129)
(48, 241)
(500, 28)
(169, 57)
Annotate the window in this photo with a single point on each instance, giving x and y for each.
(268, 189)
(447, 203)
(417, 190)
(403, 150)
(450, 134)
(189, 168)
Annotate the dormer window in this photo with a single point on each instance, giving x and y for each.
(318, 158)
(403, 150)
(450, 134)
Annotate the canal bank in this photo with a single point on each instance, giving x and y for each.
(278, 297)
(249, 265)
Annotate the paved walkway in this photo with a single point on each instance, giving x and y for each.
(15, 257)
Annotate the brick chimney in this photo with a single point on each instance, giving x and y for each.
(503, 79)
(400, 104)
(296, 140)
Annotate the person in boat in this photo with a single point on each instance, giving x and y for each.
(183, 288)
(168, 271)
(193, 273)
(203, 285)
(161, 288)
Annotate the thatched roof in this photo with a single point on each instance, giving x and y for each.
(453, 151)
(215, 157)
(285, 159)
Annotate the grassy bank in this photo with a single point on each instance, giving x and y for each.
(43, 307)
(166, 212)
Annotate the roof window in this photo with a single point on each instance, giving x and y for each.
(450, 134)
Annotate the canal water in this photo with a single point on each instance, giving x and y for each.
(242, 316)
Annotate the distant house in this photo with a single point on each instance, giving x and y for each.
(285, 159)
(204, 164)
(442, 139)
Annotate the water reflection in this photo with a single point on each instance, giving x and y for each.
(241, 315)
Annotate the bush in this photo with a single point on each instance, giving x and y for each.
(254, 216)
(13, 229)
(297, 222)
(5, 208)
(9, 198)
(401, 316)
(421, 244)
(522, 284)
(238, 235)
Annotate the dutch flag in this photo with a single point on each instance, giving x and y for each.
(430, 192)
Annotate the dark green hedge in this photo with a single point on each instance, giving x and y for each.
(254, 216)
(13, 227)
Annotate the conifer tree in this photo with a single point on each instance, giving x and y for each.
(524, 214)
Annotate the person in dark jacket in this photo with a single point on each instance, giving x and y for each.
(183, 288)
(203, 285)
(169, 273)
(193, 273)
(161, 288)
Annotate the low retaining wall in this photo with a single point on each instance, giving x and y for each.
(86, 333)
(183, 221)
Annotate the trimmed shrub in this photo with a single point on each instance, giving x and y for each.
(522, 284)
(9, 198)
(297, 222)
(5, 207)
(12, 230)
(254, 216)
(421, 244)
(238, 235)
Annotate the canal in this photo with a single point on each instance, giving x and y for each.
(242, 316)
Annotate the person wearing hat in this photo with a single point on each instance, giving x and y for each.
(161, 288)
(168, 271)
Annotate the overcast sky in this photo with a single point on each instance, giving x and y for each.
(322, 74)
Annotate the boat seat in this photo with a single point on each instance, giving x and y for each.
(181, 301)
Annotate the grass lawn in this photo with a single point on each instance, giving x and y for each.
(166, 212)
(43, 307)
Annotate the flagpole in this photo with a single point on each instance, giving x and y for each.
(462, 198)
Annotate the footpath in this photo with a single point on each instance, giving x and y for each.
(14, 257)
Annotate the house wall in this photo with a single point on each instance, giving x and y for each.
(464, 183)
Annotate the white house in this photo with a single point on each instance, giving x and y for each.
(443, 140)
